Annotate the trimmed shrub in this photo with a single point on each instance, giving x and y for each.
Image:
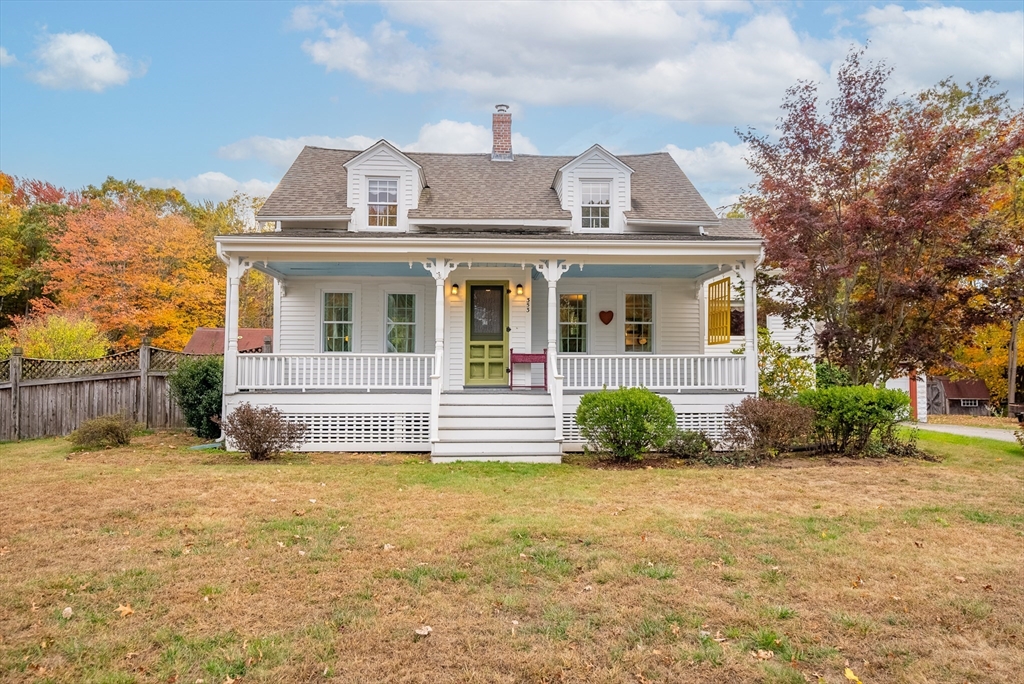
(626, 422)
(828, 375)
(261, 432)
(689, 444)
(197, 386)
(112, 430)
(846, 418)
(767, 427)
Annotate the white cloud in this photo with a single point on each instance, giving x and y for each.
(443, 136)
(463, 137)
(309, 17)
(281, 152)
(699, 62)
(82, 61)
(669, 59)
(6, 58)
(929, 44)
(213, 185)
(718, 170)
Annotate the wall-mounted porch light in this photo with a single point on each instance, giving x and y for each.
(519, 290)
(455, 289)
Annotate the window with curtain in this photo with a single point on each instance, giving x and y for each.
(639, 323)
(400, 333)
(572, 323)
(338, 321)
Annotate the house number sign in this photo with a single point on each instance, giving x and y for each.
(527, 305)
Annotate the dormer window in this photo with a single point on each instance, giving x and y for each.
(382, 202)
(595, 199)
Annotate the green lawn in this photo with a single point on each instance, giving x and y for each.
(321, 567)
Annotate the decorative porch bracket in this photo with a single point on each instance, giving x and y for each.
(552, 271)
(237, 266)
(440, 269)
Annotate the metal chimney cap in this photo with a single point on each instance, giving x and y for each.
(501, 107)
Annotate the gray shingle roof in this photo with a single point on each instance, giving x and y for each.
(471, 186)
(734, 228)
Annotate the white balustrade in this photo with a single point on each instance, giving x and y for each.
(334, 371)
(655, 372)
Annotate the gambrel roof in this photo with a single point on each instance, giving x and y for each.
(471, 186)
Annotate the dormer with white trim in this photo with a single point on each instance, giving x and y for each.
(595, 188)
(383, 185)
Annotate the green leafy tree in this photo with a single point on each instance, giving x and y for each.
(780, 374)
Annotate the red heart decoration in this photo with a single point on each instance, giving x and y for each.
(606, 316)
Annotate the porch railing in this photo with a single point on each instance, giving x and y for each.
(334, 371)
(661, 372)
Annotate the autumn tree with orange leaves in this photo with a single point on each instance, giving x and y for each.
(137, 272)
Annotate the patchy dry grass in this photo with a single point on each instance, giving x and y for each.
(320, 568)
(975, 421)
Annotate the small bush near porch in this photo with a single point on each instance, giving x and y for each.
(152, 563)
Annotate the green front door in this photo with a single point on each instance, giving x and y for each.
(487, 333)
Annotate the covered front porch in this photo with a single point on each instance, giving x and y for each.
(376, 340)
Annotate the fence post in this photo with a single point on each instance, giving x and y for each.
(144, 382)
(16, 354)
(268, 344)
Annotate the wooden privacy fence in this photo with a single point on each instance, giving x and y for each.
(48, 398)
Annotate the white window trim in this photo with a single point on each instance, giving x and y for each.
(969, 403)
(590, 321)
(621, 315)
(612, 208)
(340, 288)
(398, 288)
(398, 205)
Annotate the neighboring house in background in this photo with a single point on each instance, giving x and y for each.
(211, 341)
(408, 285)
(960, 397)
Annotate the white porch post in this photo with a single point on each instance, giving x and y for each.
(552, 270)
(440, 269)
(236, 269)
(748, 274)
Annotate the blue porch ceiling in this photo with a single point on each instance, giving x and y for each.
(402, 269)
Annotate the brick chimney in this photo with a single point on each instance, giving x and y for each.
(501, 126)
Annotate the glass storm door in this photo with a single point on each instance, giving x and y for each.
(487, 341)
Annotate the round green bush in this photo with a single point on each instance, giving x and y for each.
(846, 418)
(626, 422)
(197, 386)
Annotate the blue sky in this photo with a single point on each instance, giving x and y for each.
(215, 97)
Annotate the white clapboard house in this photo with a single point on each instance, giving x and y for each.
(462, 304)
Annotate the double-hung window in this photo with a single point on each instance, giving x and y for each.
(382, 202)
(572, 324)
(400, 333)
(595, 202)
(338, 321)
(639, 323)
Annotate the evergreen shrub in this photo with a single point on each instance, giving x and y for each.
(626, 422)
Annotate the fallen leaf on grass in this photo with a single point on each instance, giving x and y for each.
(852, 677)
(124, 610)
(298, 512)
(988, 587)
(919, 545)
(389, 547)
(423, 631)
(763, 655)
(312, 501)
(960, 579)
(675, 629)
(858, 582)
(67, 613)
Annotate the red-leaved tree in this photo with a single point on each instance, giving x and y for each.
(873, 211)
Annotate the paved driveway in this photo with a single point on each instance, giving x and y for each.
(968, 431)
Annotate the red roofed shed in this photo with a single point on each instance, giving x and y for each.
(211, 340)
(960, 397)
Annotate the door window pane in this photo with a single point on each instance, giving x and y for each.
(639, 324)
(337, 321)
(401, 324)
(488, 316)
(572, 323)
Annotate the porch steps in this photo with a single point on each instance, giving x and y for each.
(506, 426)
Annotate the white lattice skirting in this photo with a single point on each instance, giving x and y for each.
(711, 424)
(391, 429)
